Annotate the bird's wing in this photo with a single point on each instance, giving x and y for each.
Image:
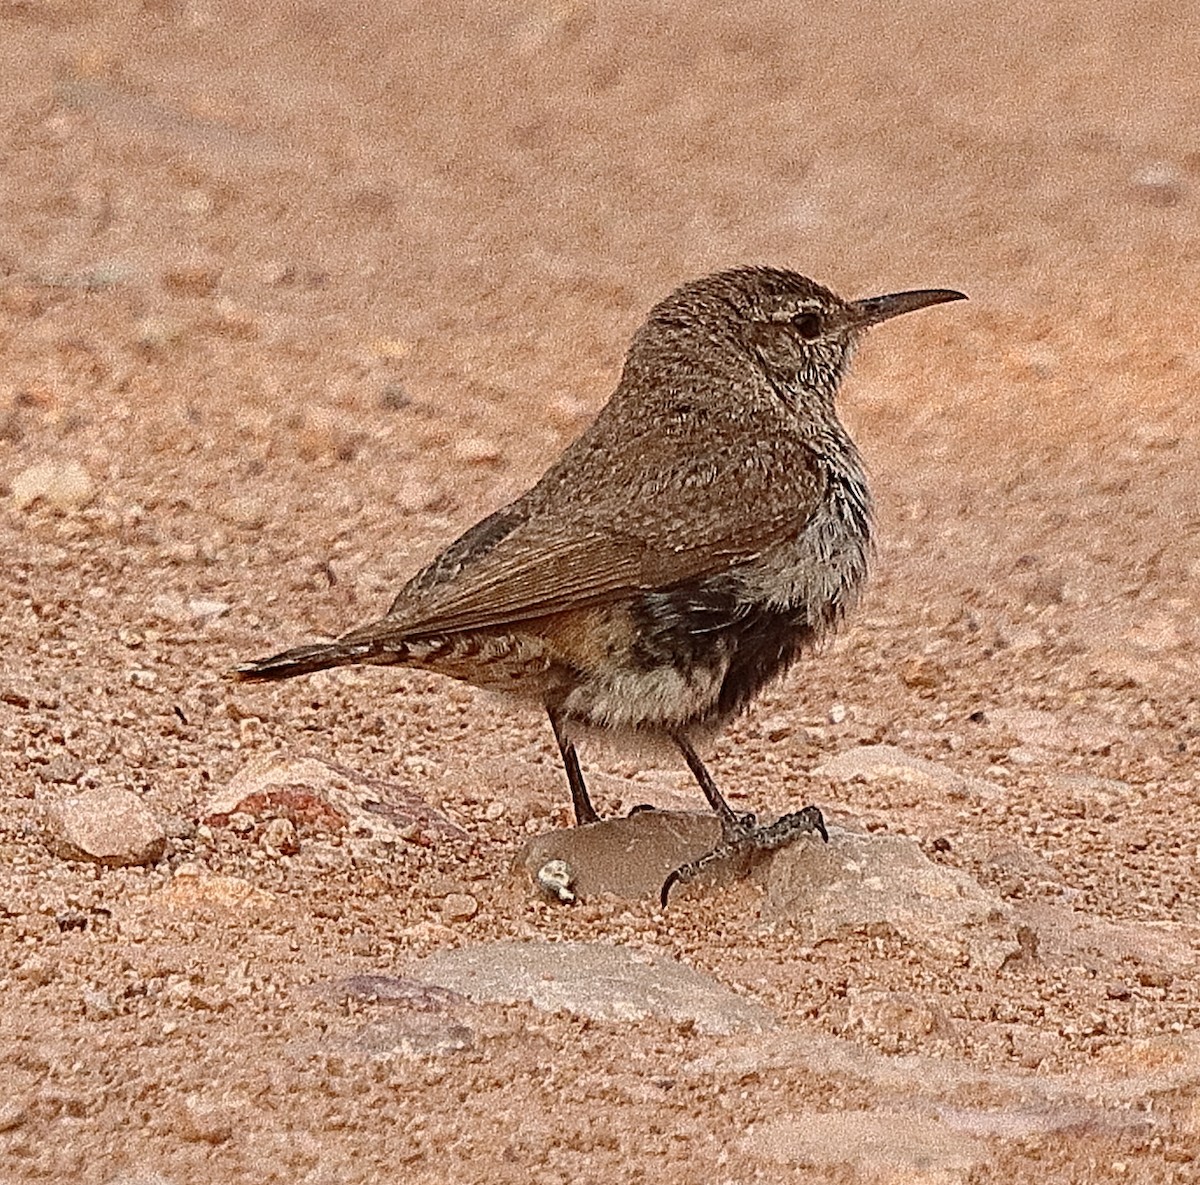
(717, 517)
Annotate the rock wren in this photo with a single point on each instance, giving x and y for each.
(711, 524)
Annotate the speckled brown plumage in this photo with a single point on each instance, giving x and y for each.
(711, 523)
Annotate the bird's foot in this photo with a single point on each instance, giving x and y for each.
(744, 838)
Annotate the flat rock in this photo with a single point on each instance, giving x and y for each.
(869, 1141)
(858, 882)
(20, 688)
(593, 980)
(392, 1016)
(1147, 948)
(196, 892)
(875, 763)
(1038, 729)
(628, 857)
(389, 991)
(1021, 1101)
(412, 1034)
(871, 762)
(106, 826)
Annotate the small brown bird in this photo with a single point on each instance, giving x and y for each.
(712, 523)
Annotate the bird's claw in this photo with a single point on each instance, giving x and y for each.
(744, 839)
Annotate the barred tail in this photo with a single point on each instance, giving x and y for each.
(303, 660)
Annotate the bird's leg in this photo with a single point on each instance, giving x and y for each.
(584, 811)
(731, 823)
(740, 836)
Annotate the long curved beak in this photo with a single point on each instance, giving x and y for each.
(874, 309)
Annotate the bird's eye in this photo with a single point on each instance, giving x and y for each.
(808, 326)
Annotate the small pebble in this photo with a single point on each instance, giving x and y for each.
(554, 879)
(204, 608)
(1159, 183)
(158, 333)
(60, 486)
(391, 349)
(197, 280)
(395, 397)
(13, 1113)
(205, 1125)
(474, 450)
(279, 837)
(459, 907)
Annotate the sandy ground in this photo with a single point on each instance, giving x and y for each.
(304, 289)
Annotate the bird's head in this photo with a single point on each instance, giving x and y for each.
(786, 326)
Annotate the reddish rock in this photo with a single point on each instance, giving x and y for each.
(320, 797)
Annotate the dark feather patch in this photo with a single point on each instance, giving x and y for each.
(684, 626)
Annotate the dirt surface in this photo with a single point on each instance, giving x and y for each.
(292, 293)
